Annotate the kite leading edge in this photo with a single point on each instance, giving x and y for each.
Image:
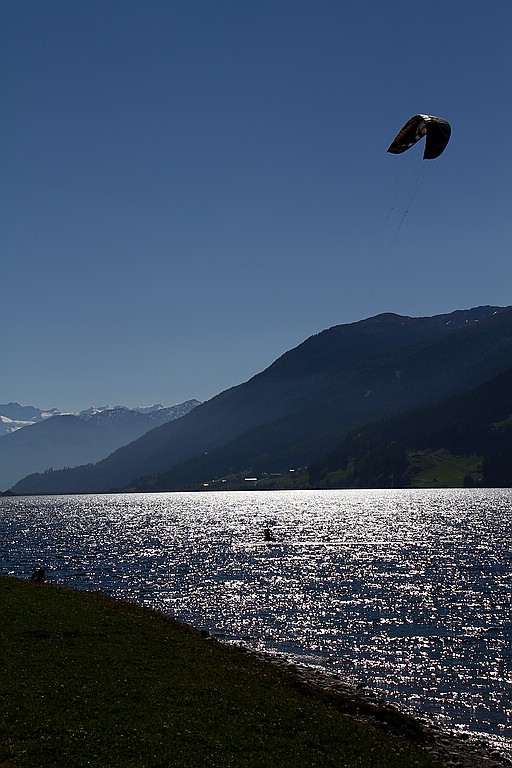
(436, 130)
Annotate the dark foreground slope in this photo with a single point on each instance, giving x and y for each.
(301, 405)
(99, 683)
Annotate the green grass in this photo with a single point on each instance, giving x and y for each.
(86, 680)
(441, 469)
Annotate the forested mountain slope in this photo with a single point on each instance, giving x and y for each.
(478, 422)
(305, 402)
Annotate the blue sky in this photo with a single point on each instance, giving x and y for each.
(192, 187)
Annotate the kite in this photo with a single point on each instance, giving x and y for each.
(436, 130)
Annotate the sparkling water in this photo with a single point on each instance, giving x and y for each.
(406, 592)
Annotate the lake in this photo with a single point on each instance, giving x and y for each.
(404, 592)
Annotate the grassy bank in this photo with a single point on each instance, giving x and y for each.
(442, 469)
(86, 680)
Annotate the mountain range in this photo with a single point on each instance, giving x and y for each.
(306, 401)
(14, 416)
(38, 440)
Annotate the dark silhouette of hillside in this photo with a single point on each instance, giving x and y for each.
(478, 422)
(300, 407)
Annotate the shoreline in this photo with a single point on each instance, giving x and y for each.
(460, 750)
(451, 749)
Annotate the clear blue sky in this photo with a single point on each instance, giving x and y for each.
(189, 188)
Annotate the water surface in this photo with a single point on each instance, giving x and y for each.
(405, 592)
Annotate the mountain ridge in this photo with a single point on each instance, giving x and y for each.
(312, 394)
(14, 416)
(63, 440)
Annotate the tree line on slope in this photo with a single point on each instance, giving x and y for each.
(377, 455)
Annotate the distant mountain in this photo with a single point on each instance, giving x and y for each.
(307, 400)
(150, 408)
(66, 440)
(25, 413)
(14, 416)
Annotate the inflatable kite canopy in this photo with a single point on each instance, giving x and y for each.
(436, 130)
